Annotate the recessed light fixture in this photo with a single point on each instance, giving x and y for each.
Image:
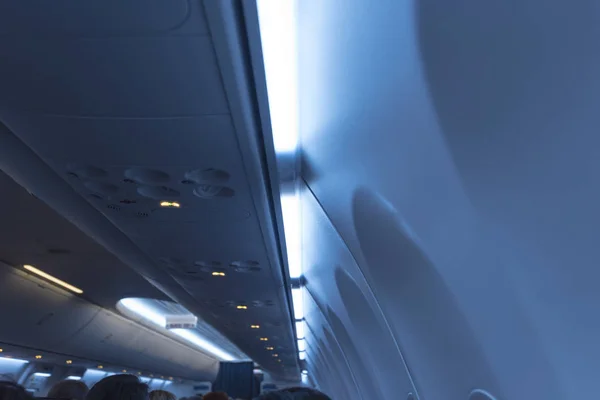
(100, 367)
(146, 310)
(216, 273)
(170, 204)
(139, 373)
(264, 339)
(275, 355)
(254, 326)
(242, 307)
(69, 362)
(38, 357)
(124, 371)
(52, 279)
(1, 350)
(170, 378)
(270, 348)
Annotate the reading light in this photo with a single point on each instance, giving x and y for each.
(69, 362)
(73, 378)
(170, 204)
(218, 273)
(38, 357)
(254, 326)
(275, 355)
(42, 374)
(49, 277)
(270, 348)
(264, 339)
(242, 307)
(1, 350)
(100, 367)
(124, 371)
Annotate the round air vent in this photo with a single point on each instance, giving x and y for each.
(158, 192)
(213, 191)
(147, 176)
(209, 266)
(209, 175)
(260, 303)
(245, 266)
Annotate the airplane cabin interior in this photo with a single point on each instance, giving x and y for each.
(389, 199)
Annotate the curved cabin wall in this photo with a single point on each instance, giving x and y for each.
(39, 315)
(450, 151)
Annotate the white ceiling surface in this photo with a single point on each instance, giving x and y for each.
(88, 93)
(454, 148)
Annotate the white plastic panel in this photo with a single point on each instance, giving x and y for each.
(44, 317)
(453, 146)
(30, 306)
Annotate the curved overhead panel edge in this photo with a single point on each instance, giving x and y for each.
(52, 319)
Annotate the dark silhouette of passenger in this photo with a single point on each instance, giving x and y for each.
(69, 390)
(119, 387)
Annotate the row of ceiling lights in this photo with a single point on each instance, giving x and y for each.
(74, 289)
(69, 362)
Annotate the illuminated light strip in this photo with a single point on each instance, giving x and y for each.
(301, 345)
(277, 23)
(73, 378)
(42, 374)
(52, 279)
(149, 313)
(13, 360)
(298, 301)
(290, 209)
(141, 309)
(300, 329)
(196, 339)
(171, 204)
